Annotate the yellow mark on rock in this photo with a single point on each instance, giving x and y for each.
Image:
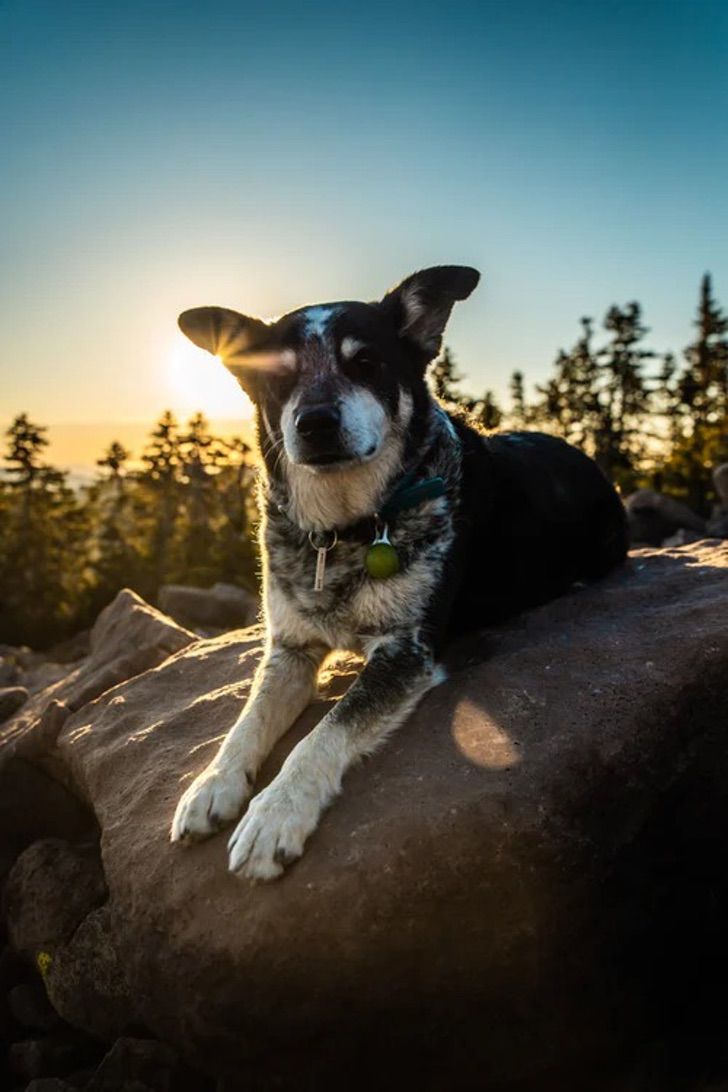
(43, 962)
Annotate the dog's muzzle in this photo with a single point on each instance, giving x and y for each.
(318, 434)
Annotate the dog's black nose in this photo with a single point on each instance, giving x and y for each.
(320, 420)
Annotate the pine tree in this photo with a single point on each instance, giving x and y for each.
(485, 411)
(599, 397)
(43, 572)
(235, 547)
(114, 460)
(114, 556)
(624, 397)
(570, 404)
(445, 379)
(162, 454)
(202, 456)
(27, 440)
(158, 502)
(704, 383)
(700, 404)
(519, 413)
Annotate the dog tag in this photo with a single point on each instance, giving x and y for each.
(318, 581)
(381, 560)
(321, 552)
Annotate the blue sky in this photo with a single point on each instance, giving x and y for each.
(161, 155)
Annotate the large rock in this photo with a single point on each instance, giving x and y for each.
(654, 518)
(11, 699)
(718, 522)
(38, 797)
(9, 669)
(39, 923)
(221, 607)
(135, 1064)
(129, 638)
(527, 883)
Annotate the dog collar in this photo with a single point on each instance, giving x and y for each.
(381, 559)
(409, 493)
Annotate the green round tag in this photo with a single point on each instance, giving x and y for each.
(381, 561)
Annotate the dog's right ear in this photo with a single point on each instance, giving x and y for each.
(222, 332)
(238, 341)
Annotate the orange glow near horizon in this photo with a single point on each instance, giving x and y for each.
(198, 381)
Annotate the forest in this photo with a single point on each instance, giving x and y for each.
(185, 511)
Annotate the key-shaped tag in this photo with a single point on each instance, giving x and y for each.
(321, 552)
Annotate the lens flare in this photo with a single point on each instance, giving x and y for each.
(198, 381)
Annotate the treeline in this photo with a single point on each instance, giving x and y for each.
(183, 516)
(184, 513)
(648, 420)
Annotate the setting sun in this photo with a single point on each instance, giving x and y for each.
(198, 381)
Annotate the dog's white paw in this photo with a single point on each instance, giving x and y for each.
(273, 832)
(213, 799)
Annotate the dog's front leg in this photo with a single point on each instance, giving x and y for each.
(284, 684)
(400, 669)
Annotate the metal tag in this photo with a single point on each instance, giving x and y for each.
(318, 583)
(321, 552)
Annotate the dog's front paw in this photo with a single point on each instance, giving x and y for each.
(273, 832)
(213, 799)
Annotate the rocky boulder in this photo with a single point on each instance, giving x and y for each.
(656, 519)
(718, 522)
(9, 669)
(11, 699)
(210, 610)
(526, 885)
(39, 798)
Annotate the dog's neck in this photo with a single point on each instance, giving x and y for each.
(316, 501)
(322, 501)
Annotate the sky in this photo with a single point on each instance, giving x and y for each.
(159, 155)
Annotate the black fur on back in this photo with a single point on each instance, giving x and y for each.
(535, 516)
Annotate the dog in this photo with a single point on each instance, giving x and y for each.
(389, 527)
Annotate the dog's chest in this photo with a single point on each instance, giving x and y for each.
(353, 606)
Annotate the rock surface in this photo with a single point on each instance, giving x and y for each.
(38, 797)
(654, 518)
(141, 1062)
(30, 1008)
(129, 638)
(221, 607)
(718, 522)
(48, 1084)
(11, 699)
(39, 923)
(525, 884)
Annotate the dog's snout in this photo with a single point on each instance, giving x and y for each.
(319, 420)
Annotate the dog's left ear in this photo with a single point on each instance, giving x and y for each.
(422, 303)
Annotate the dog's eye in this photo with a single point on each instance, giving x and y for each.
(365, 359)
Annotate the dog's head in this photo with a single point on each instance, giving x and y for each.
(331, 382)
